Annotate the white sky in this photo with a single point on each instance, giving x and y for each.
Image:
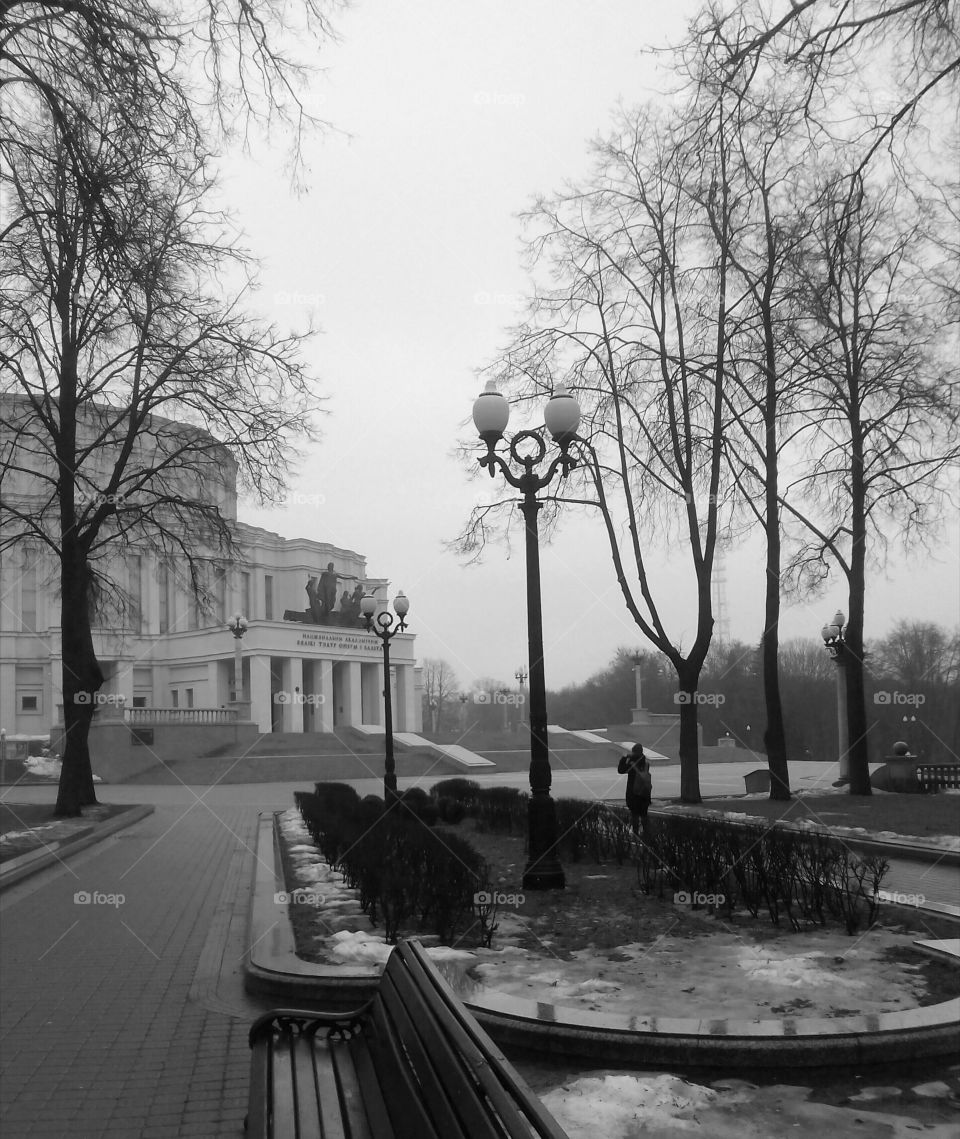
(406, 253)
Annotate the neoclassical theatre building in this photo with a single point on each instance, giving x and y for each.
(308, 664)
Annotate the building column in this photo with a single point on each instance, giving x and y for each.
(260, 706)
(371, 676)
(406, 720)
(323, 690)
(293, 690)
(8, 698)
(352, 698)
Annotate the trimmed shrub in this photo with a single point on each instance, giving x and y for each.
(464, 791)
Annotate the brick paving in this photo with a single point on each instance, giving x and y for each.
(129, 1019)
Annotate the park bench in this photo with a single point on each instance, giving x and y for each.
(411, 1063)
(933, 776)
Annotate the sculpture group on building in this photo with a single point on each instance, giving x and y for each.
(322, 593)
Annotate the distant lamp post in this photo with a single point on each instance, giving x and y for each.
(433, 716)
(491, 413)
(910, 734)
(463, 711)
(836, 646)
(238, 626)
(520, 676)
(383, 626)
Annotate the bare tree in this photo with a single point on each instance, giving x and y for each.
(133, 384)
(882, 417)
(636, 322)
(440, 688)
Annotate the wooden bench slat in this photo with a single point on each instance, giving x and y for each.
(395, 1080)
(351, 1092)
(451, 1095)
(283, 1117)
(378, 1113)
(503, 1073)
(311, 1061)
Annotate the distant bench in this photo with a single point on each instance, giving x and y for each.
(933, 776)
(412, 1063)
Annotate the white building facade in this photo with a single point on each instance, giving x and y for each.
(167, 654)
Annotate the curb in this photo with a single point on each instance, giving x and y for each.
(272, 968)
(34, 861)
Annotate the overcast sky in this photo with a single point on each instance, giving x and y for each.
(406, 253)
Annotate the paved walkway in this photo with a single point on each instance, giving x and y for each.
(127, 1017)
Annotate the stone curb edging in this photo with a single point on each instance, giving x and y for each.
(34, 861)
(272, 968)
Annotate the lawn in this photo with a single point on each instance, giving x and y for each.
(923, 816)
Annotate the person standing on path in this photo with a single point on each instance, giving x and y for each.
(639, 785)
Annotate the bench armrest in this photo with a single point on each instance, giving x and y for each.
(303, 1019)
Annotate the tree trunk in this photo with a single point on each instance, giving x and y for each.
(774, 736)
(82, 680)
(689, 751)
(859, 760)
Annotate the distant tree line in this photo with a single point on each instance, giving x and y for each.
(912, 685)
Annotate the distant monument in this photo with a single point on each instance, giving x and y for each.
(322, 594)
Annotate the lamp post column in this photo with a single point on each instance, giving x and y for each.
(389, 763)
(543, 870)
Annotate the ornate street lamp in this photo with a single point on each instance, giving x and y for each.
(836, 646)
(383, 627)
(491, 413)
(238, 626)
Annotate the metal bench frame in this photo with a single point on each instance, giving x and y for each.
(412, 1063)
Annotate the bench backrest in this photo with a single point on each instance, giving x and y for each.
(462, 1079)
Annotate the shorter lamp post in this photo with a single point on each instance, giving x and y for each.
(238, 626)
(836, 646)
(520, 676)
(463, 712)
(383, 626)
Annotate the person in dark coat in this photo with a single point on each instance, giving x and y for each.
(639, 785)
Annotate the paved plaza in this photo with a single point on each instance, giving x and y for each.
(123, 1011)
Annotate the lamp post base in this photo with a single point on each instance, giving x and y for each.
(543, 870)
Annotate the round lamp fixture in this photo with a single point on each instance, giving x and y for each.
(491, 414)
(562, 415)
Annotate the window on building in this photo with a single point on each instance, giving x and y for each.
(29, 685)
(28, 593)
(174, 698)
(135, 592)
(188, 695)
(29, 703)
(139, 701)
(245, 596)
(268, 597)
(219, 594)
(163, 590)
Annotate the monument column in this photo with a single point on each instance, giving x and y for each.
(405, 697)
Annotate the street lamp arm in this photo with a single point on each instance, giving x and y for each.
(529, 482)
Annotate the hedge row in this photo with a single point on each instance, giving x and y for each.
(806, 879)
(407, 873)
